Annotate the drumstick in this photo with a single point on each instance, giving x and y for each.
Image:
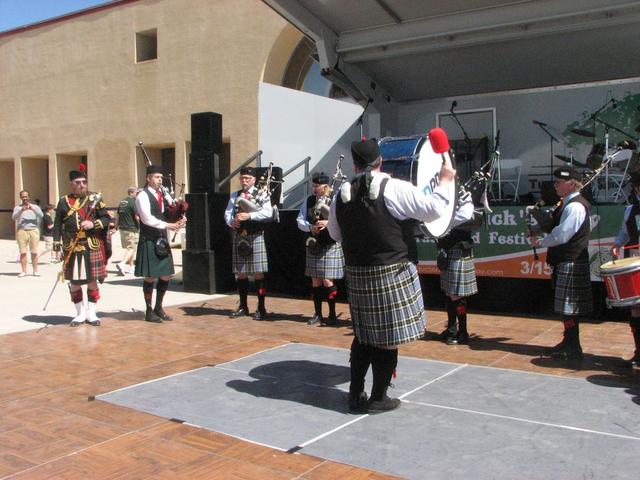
(439, 142)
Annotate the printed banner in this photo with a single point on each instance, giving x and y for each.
(502, 248)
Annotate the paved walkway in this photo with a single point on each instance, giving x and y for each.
(22, 299)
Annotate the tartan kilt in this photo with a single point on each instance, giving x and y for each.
(572, 284)
(386, 303)
(459, 278)
(329, 263)
(254, 263)
(148, 264)
(86, 266)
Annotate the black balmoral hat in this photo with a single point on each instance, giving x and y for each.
(365, 151)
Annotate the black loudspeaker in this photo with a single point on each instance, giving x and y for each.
(206, 132)
(198, 271)
(276, 182)
(198, 231)
(203, 170)
(548, 193)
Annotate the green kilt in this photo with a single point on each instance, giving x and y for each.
(147, 262)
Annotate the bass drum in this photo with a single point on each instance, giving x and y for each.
(412, 159)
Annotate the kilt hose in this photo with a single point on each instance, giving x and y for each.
(328, 263)
(148, 264)
(256, 262)
(86, 266)
(386, 304)
(572, 285)
(459, 278)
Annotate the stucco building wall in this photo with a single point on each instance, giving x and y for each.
(72, 88)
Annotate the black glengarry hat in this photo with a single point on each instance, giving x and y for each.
(151, 169)
(320, 178)
(248, 171)
(567, 173)
(73, 174)
(365, 151)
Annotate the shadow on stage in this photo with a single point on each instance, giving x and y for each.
(590, 361)
(47, 319)
(626, 379)
(298, 381)
(191, 311)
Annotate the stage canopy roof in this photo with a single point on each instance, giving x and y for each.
(420, 49)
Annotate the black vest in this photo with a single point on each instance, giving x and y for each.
(577, 246)
(456, 238)
(323, 237)
(370, 235)
(146, 231)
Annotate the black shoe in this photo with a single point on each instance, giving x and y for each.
(568, 352)
(162, 314)
(260, 315)
(331, 321)
(449, 337)
(93, 323)
(358, 402)
(463, 338)
(315, 320)
(152, 316)
(634, 361)
(556, 348)
(384, 405)
(241, 312)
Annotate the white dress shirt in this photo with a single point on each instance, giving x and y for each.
(144, 208)
(403, 200)
(571, 220)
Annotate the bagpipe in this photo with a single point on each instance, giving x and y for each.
(542, 213)
(477, 189)
(176, 208)
(320, 210)
(253, 202)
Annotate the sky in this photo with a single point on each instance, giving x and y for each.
(17, 13)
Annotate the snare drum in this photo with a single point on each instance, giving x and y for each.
(622, 279)
(412, 159)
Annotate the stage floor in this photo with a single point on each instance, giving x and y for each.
(456, 420)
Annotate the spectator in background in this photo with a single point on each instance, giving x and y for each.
(129, 226)
(27, 216)
(47, 233)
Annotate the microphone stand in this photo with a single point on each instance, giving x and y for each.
(361, 119)
(467, 148)
(607, 127)
(551, 140)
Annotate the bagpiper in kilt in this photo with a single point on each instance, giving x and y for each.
(246, 214)
(153, 257)
(324, 260)
(372, 217)
(568, 255)
(457, 273)
(82, 216)
(628, 236)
